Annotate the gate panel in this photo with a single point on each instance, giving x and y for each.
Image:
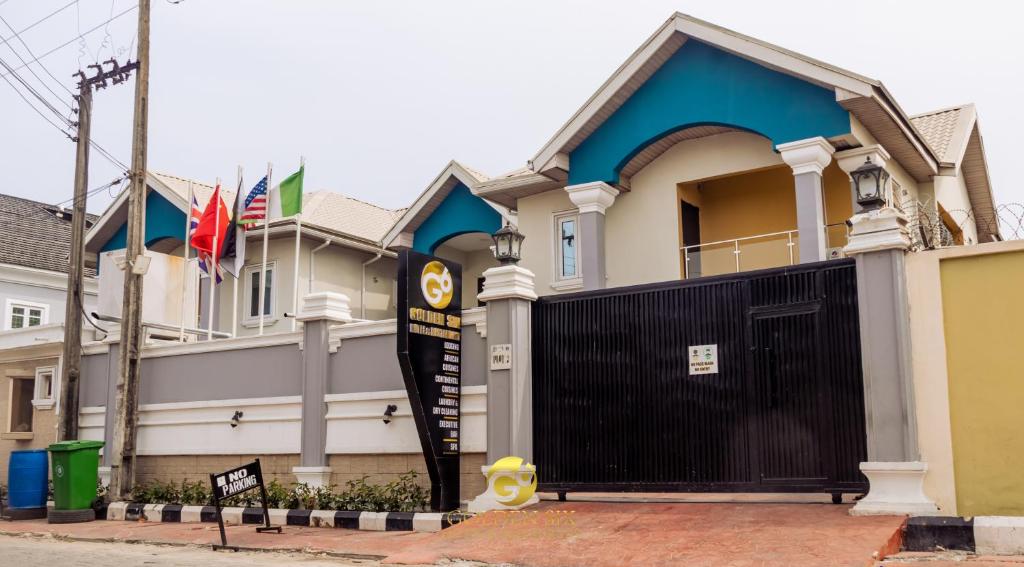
(616, 409)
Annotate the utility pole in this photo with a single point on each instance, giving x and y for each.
(71, 359)
(122, 461)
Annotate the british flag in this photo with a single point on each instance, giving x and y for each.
(203, 257)
(255, 205)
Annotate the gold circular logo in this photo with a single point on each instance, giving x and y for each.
(437, 285)
(512, 480)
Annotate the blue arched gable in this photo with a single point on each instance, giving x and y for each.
(702, 85)
(163, 220)
(461, 212)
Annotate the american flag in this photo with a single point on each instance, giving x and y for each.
(255, 205)
(203, 257)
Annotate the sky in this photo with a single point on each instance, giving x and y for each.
(378, 96)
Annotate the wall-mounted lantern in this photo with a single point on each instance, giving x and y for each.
(508, 243)
(870, 184)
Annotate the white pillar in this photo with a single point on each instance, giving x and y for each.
(809, 158)
(592, 200)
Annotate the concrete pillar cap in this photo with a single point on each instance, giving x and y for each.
(325, 305)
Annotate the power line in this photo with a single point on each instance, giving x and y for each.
(44, 18)
(79, 36)
(40, 63)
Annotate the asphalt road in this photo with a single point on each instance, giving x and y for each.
(32, 550)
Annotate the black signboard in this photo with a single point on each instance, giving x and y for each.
(234, 482)
(430, 354)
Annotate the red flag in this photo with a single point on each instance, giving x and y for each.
(214, 222)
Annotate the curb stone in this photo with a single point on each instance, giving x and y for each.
(368, 521)
(984, 535)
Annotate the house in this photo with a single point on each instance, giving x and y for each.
(33, 283)
(710, 152)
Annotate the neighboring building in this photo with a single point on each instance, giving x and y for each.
(339, 251)
(34, 263)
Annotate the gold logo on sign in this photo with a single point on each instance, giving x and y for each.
(437, 284)
(512, 481)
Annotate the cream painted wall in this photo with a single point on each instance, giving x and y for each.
(473, 265)
(44, 421)
(537, 224)
(951, 193)
(338, 269)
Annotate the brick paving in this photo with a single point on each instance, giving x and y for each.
(567, 534)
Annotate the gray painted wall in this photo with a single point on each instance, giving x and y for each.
(93, 382)
(370, 364)
(247, 373)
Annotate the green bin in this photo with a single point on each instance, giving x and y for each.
(75, 471)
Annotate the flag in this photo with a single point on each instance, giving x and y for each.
(286, 198)
(213, 222)
(255, 205)
(193, 222)
(232, 250)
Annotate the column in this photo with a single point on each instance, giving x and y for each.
(319, 311)
(808, 158)
(878, 242)
(592, 199)
(509, 293)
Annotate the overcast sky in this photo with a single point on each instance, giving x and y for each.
(379, 95)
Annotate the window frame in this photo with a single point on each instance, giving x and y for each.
(39, 400)
(560, 281)
(7, 432)
(247, 272)
(44, 308)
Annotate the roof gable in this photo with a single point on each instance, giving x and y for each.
(700, 85)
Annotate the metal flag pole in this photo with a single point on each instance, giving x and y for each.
(214, 260)
(234, 282)
(184, 266)
(266, 230)
(298, 239)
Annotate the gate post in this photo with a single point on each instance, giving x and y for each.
(509, 293)
(878, 241)
(319, 311)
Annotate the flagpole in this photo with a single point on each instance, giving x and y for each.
(215, 260)
(234, 284)
(184, 267)
(266, 229)
(298, 239)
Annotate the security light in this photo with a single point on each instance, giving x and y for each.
(870, 184)
(388, 412)
(508, 243)
(236, 418)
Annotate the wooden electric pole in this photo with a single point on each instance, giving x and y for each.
(71, 359)
(122, 457)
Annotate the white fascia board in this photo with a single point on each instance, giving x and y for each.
(152, 182)
(887, 103)
(616, 81)
(453, 169)
(100, 223)
(35, 277)
(961, 137)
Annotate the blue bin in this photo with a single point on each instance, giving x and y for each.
(26, 479)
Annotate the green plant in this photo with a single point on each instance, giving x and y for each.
(101, 491)
(277, 494)
(401, 495)
(194, 493)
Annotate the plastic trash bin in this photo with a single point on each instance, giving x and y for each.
(26, 479)
(75, 473)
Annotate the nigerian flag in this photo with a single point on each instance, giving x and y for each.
(286, 198)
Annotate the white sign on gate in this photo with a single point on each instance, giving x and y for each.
(501, 357)
(703, 359)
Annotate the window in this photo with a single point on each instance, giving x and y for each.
(21, 314)
(567, 242)
(252, 292)
(43, 397)
(20, 409)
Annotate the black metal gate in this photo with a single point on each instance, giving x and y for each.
(616, 408)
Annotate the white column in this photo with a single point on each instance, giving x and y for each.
(809, 158)
(592, 200)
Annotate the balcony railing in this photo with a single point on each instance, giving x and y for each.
(756, 252)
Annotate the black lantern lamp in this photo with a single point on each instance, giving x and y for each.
(869, 184)
(508, 244)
